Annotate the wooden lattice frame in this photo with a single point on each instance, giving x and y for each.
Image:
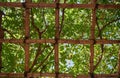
(28, 5)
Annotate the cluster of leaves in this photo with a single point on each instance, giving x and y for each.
(75, 24)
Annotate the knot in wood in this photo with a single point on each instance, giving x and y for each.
(24, 5)
(93, 41)
(95, 6)
(118, 75)
(56, 74)
(56, 40)
(25, 39)
(1, 12)
(25, 74)
(92, 75)
(57, 6)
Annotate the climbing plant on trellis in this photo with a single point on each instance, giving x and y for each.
(43, 40)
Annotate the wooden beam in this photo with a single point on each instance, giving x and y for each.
(62, 41)
(61, 5)
(53, 75)
(57, 35)
(27, 35)
(92, 37)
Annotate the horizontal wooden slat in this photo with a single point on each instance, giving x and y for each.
(70, 41)
(61, 5)
(60, 75)
(99, 76)
(109, 6)
(107, 41)
(62, 41)
(76, 6)
(10, 4)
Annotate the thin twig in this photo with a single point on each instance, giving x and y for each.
(104, 26)
(62, 22)
(39, 52)
(46, 25)
(39, 46)
(114, 67)
(33, 24)
(102, 49)
(9, 33)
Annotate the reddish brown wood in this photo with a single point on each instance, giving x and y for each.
(1, 37)
(27, 34)
(62, 41)
(92, 37)
(56, 54)
(119, 62)
(99, 76)
(53, 5)
(65, 5)
(109, 6)
(17, 75)
(27, 5)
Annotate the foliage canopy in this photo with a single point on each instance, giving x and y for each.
(75, 24)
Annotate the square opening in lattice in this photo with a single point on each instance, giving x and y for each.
(108, 24)
(106, 58)
(12, 23)
(74, 59)
(42, 23)
(42, 58)
(12, 58)
(75, 25)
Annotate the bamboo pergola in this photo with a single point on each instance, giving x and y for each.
(27, 41)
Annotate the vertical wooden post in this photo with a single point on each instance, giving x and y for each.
(27, 34)
(92, 37)
(119, 64)
(1, 37)
(57, 38)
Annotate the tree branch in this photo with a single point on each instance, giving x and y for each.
(43, 61)
(46, 25)
(62, 22)
(39, 52)
(112, 71)
(100, 35)
(102, 49)
(43, 67)
(9, 33)
(39, 46)
(104, 26)
(33, 24)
